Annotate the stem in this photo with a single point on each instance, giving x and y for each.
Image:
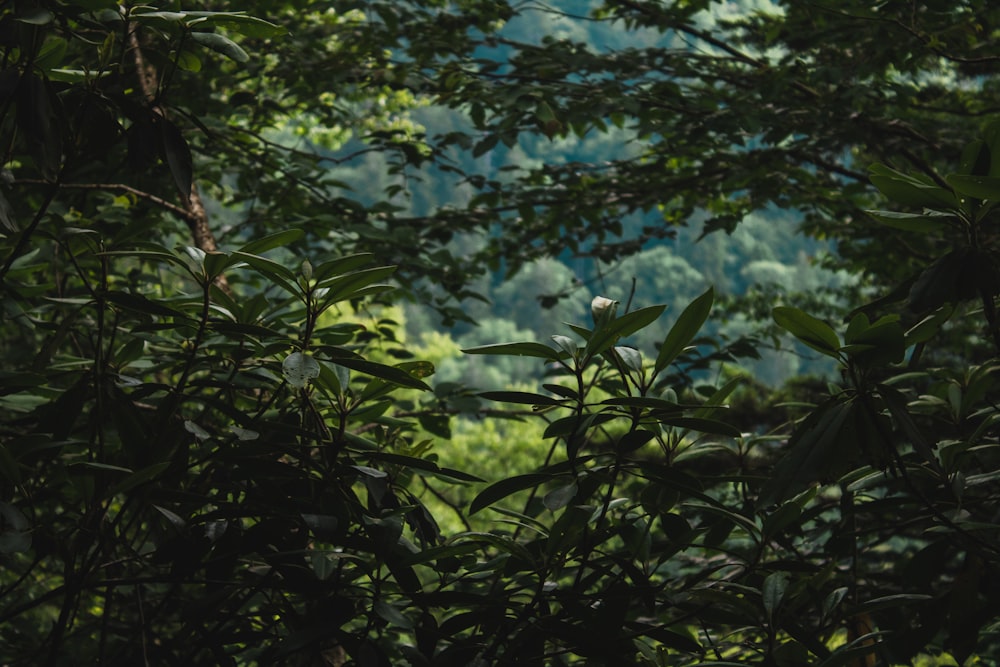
(22, 242)
(171, 405)
(990, 310)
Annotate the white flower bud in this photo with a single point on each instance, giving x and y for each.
(600, 305)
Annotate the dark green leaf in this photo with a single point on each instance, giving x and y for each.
(505, 487)
(980, 187)
(520, 397)
(35, 16)
(816, 451)
(773, 592)
(140, 304)
(37, 120)
(896, 404)
(911, 190)
(559, 497)
(421, 464)
(342, 288)
(177, 155)
(913, 222)
(702, 425)
(685, 329)
(604, 337)
(272, 270)
(341, 266)
(526, 349)
(272, 241)
(644, 402)
(815, 333)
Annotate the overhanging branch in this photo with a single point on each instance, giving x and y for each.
(179, 211)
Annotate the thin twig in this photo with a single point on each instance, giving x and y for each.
(119, 187)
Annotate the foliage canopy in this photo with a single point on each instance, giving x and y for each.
(216, 446)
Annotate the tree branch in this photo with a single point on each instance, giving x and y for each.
(179, 211)
(194, 209)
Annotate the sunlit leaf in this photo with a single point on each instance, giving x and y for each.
(298, 369)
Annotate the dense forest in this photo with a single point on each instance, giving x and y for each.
(580, 332)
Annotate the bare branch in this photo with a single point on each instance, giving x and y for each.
(179, 211)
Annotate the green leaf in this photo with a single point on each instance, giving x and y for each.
(975, 158)
(716, 401)
(272, 241)
(393, 616)
(979, 187)
(502, 543)
(216, 263)
(392, 374)
(188, 61)
(895, 402)
(875, 344)
(559, 497)
(665, 636)
(633, 440)
(239, 330)
(36, 119)
(928, 327)
(815, 333)
(172, 17)
(520, 397)
(249, 26)
(991, 138)
(15, 535)
(159, 255)
(833, 600)
(272, 270)
(911, 190)
(341, 266)
(525, 349)
(221, 44)
(773, 592)
(890, 601)
(604, 337)
(299, 369)
(566, 344)
(423, 465)
(686, 327)
(505, 487)
(139, 477)
(630, 356)
(854, 653)
(702, 425)
(816, 451)
(8, 219)
(913, 222)
(174, 519)
(644, 402)
(949, 279)
(35, 16)
(52, 54)
(343, 288)
(178, 156)
(9, 469)
(781, 518)
(140, 304)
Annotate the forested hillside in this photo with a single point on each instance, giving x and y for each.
(673, 265)
(415, 332)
